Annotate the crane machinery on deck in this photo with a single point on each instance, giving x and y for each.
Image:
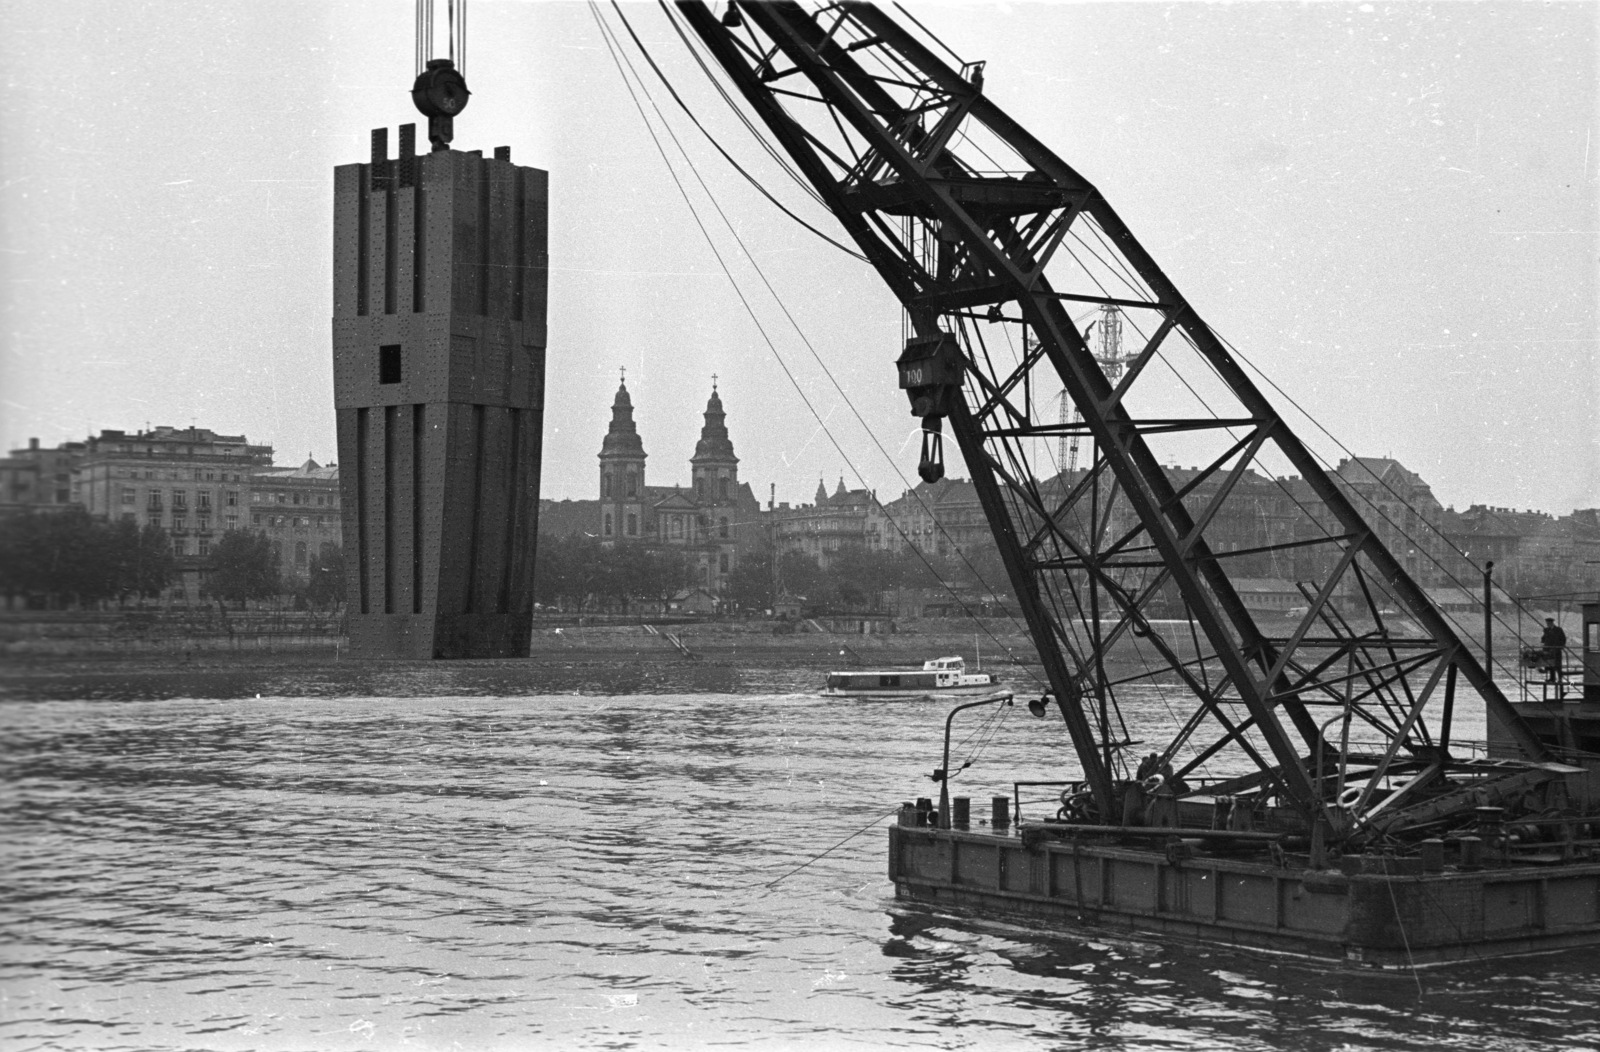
(1299, 784)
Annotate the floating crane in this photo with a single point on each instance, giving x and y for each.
(1322, 744)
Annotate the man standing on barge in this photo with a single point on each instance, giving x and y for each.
(1554, 642)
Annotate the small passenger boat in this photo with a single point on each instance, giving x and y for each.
(938, 678)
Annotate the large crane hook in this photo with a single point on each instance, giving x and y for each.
(930, 371)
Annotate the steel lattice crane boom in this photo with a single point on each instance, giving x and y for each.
(974, 224)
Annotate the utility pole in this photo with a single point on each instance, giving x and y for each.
(1488, 618)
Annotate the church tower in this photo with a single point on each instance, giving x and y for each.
(714, 468)
(622, 456)
(716, 489)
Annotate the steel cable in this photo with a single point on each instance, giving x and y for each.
(619, 59)
(831, 378)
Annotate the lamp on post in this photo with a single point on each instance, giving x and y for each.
(942, 775)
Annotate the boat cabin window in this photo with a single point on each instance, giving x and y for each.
(888, 681)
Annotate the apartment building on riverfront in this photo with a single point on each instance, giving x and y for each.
(191, 482)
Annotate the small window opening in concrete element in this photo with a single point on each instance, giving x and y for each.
(389, 363)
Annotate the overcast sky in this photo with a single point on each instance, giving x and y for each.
(1391, 208)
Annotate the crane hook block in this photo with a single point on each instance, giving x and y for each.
(930, 374)
(440, 92)
(931, 467)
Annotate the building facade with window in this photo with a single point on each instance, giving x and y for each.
(1401, 509)
(938, 519)
(849, 518)
(41, 479)
(298, 509)
(191, 482)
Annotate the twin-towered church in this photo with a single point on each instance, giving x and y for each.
(708, 519)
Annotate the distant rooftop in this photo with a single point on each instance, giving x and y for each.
(309, 470)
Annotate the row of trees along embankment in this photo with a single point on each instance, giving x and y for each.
(70, 560)
(577, 573)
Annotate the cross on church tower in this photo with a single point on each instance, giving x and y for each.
(713, 381)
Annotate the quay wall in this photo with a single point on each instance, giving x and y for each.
(1000, 643)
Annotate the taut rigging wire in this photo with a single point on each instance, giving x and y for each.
(1116, 263)
(614, 47)
(712, 139)
(688, 42)
(901, 8)
(832, 379)
(781, 160)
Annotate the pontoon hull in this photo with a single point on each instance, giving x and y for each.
(1364, 918)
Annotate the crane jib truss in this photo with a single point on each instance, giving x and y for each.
(899, 145)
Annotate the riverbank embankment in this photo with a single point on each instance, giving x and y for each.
(289, 654)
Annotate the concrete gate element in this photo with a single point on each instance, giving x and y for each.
(439, 279)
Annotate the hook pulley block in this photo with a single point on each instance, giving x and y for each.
(930, 374)
(440, 92)
(931, 466)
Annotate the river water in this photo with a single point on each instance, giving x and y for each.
(592, 870)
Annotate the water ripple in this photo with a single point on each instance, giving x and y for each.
(316, 870)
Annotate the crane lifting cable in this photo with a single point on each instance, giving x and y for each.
(427, 35)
